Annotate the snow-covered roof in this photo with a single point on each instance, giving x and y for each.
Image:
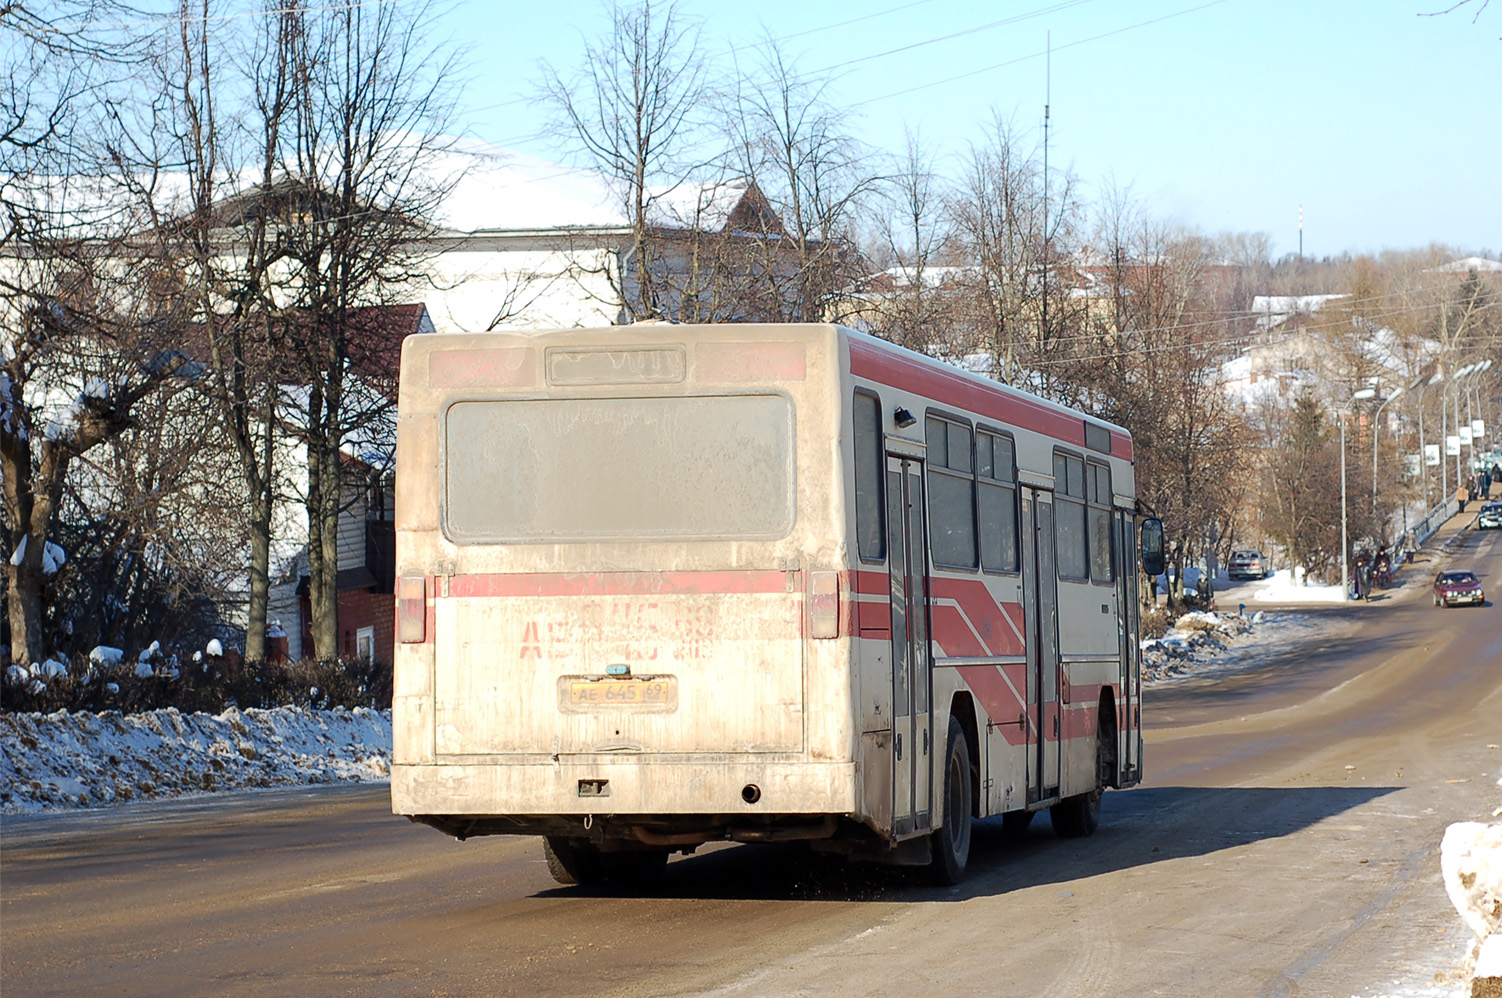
(490, 189)
(495, 189)
(929, 277)
(1469, 263)
(1274, 310)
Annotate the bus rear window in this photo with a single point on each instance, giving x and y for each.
(619, 469)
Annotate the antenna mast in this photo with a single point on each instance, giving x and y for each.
(1047, 99)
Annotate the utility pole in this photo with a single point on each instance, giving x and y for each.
(1047, 96)
(1301, 233)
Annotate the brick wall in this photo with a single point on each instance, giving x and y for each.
(362, 608)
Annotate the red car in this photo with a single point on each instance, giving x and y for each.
(1457, 587)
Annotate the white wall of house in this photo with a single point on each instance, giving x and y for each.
(494, 283)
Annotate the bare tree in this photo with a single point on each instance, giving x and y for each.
(78, 352)
(800, 153)
(369, 101)
(1013, 245)
(633, 111)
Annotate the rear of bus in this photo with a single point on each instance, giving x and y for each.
(618, 554)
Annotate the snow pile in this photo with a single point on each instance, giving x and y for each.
(64, 759)
(1194, 636)
(1470, 860)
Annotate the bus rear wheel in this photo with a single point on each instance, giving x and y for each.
(573, 861)
(951, 843)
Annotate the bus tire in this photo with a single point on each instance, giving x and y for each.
(1078, 816)
(951, 842)
(572, 861)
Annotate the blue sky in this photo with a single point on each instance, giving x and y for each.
(1224, 115)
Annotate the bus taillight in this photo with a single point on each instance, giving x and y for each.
(824, 604)
(411, 609)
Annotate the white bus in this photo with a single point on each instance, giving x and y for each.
(662, 585)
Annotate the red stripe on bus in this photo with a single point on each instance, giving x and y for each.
(623, 584)
(955, 637)
(924, 377)
(1079, 722)
(871, 583)
(1002, 703)
(987, 616)
(999, 402)
(874, 620)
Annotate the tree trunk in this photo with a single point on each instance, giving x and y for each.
(260, 578)
(323, 550)
(23, 585)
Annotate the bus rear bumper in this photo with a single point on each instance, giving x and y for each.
(737, 789)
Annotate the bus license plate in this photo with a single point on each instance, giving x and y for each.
(582, 693)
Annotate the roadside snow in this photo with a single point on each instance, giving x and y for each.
(1218, 644)
(1281, 588)
(1470, 860)
(73, 760)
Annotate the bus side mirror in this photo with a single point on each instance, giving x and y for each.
(1152, 546)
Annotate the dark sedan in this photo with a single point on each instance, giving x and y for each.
(1457, 587)
(1490, 517)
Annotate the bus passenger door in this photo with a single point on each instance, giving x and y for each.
(1129, 610)
(912, 734)
(1040, 594)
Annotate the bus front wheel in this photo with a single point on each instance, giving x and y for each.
(1078, 816)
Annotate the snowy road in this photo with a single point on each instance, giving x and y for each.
(1286, 843)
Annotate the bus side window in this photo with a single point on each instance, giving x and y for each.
(1069, 517)
(951, 494)
(1102, 564)
(997, 501)
(870, 534)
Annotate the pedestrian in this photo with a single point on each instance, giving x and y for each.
(1410, 546)
(1485, 483)
(1382, 570)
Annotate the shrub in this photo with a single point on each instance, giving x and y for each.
(210, 687)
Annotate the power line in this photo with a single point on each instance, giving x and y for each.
(843, 24)
(1035, 55)
(1055, 8)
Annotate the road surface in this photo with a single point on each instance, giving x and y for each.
(1286, 843)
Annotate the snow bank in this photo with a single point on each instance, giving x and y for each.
(67, 760)
(1470, 858)
(1281, 588)
(1193, 638)
(1470, 861)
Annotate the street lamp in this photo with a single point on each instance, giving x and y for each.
(1421, 384)
(1345, 556)
(1376, 437)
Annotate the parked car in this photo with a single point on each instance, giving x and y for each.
(1249, 564)
(1458, 587)
(1490, 517)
